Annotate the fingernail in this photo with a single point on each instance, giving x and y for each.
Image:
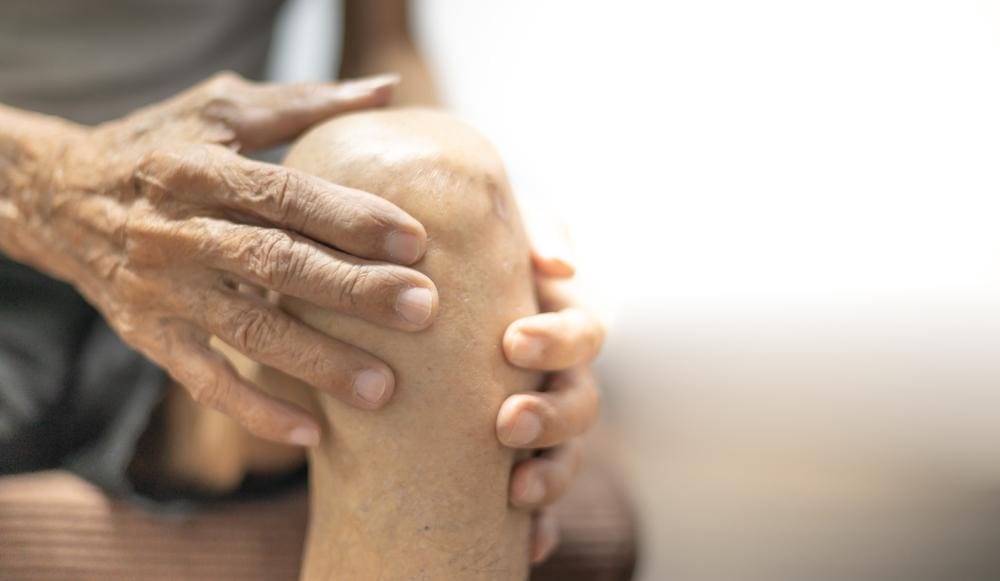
(533, 491)
(527, 349)
(304, 436)
(370, 385)
(526, 429)
(383, 79)
(415, 304)
(369, 84)
(556, 248)
(403, 247)
(542, 550)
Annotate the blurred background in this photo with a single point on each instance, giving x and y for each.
(788, 213)
(788, 210)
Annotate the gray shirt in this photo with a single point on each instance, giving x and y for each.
(94, 60)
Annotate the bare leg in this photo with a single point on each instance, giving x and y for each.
(418, 490)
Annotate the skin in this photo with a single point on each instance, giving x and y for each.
(430, 461)
(566, 337)
(420, 490)
(155, 219)
(163, 227)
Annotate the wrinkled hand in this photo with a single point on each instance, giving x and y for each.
(159, 221)
(563, 339)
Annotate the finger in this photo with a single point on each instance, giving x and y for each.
(556, 294)
(553, 341)
(268, 335)
(212, 381)
(551, 250)
(548, 264)
(539, 482)
(544, 537)
(356, 222)
(542, 419)
(385, 294)
(264, 115)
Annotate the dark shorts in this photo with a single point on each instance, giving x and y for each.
(74, 397)
(72, 394)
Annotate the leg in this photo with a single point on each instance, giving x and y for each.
(419, 489)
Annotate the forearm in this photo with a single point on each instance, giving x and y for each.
(378, 39)
(30, 145)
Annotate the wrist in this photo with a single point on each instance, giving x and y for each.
(31, 147)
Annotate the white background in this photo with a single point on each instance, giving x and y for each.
(788, 210)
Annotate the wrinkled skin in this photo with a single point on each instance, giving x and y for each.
(430, 461)
(159, 222)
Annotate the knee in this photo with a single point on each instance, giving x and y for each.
(450, 178)
(438, 169)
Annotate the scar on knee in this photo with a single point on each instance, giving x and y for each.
(499, 204)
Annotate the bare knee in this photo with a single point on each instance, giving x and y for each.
(451, 179)
(429, 461)
(429, 163)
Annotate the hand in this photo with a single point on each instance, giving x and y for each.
(563, 339)
(158, 221)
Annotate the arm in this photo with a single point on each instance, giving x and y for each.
(155, 218)
(378, 39)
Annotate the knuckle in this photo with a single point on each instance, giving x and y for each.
(275, 192)
(550, 407)
(161, 170)
(256, 330)
(368, 217)
(144, 239)
(353, 283)
(316, 363)
(368, 285)
(271, 259)
(151, 165)
(218, 96)
(553, 422)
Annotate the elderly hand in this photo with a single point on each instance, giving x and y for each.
(158, 221)
(563, 339)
